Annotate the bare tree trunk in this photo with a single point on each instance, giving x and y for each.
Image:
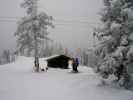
(36, 62)
(34, 14)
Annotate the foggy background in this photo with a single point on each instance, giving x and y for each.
(73, 20)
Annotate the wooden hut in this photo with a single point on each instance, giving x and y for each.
(60, 61)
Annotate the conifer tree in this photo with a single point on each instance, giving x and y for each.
(32, 29)
(116, 41)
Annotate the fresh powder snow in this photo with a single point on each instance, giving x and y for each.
(19, 82)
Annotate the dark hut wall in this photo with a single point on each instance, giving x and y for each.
(60, 61)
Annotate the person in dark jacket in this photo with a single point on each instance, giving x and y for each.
(75, 64)
(77, 61)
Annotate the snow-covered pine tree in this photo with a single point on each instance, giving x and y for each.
(32, 29)
(116, 41)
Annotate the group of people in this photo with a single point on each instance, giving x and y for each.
(42, 65)
(73, 64)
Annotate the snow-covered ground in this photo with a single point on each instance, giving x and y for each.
(18, 82)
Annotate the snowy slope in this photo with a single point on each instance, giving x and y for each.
(18, 82)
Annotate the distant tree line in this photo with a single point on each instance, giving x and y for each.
(7, 57)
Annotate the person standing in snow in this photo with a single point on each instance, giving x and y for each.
(70, 65)
(75, 64)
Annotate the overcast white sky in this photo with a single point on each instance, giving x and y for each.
(74, 20)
